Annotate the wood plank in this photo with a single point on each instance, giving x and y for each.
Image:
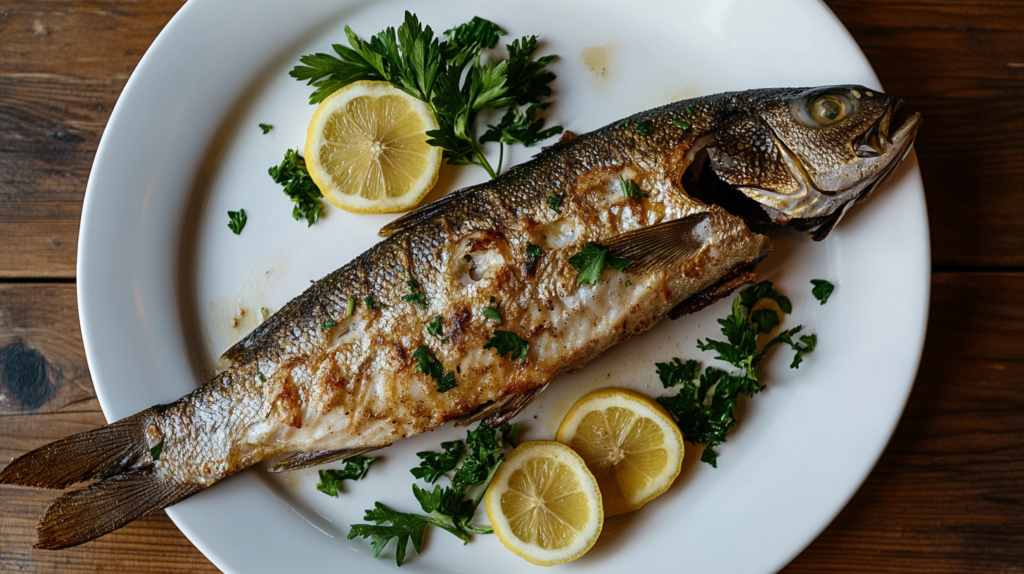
(63, 64)
(45, 395)
(946, 497)
(960, 64)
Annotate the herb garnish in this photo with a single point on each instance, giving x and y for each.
(292, 174)
(508, 343)
(708, 420)
(590, 261)
(371, 303)
(266, 127)
(156, 450)
(355, 469)
(445, 507)
(821, 291)
(689, 110)
(263, 378)
(236, 221)
(450, 77)
(416, 297)
(328, 324)
(624, 123)
(631, 190)
(434, 464)
(681, 124)
(643, 128)
(555, 202)
(351, 306)
(534, 253)
(435, 327)
(492, 312)
(428, 364)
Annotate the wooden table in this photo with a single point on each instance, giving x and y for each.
(947, 495)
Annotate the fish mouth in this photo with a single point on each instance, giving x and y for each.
(893, 124)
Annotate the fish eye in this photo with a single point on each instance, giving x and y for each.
(827, 109)
(818, 109)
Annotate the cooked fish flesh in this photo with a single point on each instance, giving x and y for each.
(357, 361)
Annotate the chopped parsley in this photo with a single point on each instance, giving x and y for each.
(433, 465)
(328, 324)
(435, 327)
(371, 303)
(266, 128)
(298, 186)
(449, 508)
(355, 469)
(416, 297)
(451, 77)
(263, 379)
(625, 123)
(428, 364)
(590, 261)
(534, 253)
(555, 202)
(689, 110)
(681, 124)
(492, 312)
(705, 406)
(351, 306)
(631, 190)
(643, 128)
(508, 343)
(236, 221)
(822, 290)
(156, 450)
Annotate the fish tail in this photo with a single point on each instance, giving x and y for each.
(130, 485)
(82, 515)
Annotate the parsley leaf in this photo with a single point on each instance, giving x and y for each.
(434, 464)
(416, 298)
(643, 128)
(590, 261)
(298, 186)
(434, 327)
(681, 124)
(631, 190)
(705, 406)
(447, 508)
(328, 324)
(555, 202)
(449, 76)
(266, 128)
(236, 221)
(351, 307)
(534, 253)
(492, 312)
(821, 291)
(428, 364)
(508, 343)
(355, 469)
(156, 450)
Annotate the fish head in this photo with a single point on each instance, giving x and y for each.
(805, 155)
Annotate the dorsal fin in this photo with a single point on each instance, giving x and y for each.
(421, 213)
(236, 351)
(307, 459)
(663, 244)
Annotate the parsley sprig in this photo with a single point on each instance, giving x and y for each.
(293, 175)
(450, 76)
(508, 343)
(446, 507)
(355, 469)
(705, 406)
(589, 263)
(429, 365)
(822, 289)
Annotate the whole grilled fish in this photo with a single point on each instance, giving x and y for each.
(684, 191)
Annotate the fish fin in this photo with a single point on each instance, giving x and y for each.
(659, 245)
(301, 460)
(422, 213)
(237, 351)
(513, 408)
(98, 453)
(82, 515)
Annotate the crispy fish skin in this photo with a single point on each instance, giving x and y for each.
(313, 379)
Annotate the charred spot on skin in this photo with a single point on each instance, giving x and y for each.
(23, 373)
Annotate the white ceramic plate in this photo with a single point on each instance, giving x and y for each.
(161, 278)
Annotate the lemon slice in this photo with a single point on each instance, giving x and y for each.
(367, 150)
(629, 442)
(544, 504)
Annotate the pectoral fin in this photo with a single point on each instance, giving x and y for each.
(660, 245)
